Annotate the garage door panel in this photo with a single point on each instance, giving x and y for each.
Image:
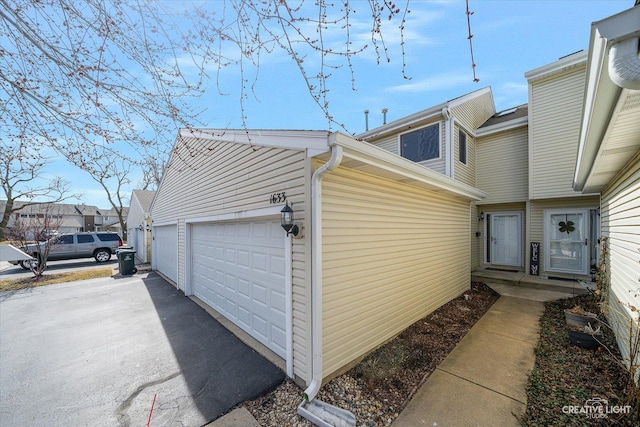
(248, 284)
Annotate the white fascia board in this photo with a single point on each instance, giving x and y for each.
(429, 113)
(601, 94)
(466, 98)
(402, 123)
(387, 161)
(562, 64)
(504, 126)
(287, 139)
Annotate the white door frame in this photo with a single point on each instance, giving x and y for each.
(582, 238)
(488, 229)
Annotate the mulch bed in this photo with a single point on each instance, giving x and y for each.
(567, 376)
(379, 387)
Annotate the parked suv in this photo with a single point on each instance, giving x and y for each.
(99, 245)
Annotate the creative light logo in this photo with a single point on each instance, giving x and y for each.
(595, 408)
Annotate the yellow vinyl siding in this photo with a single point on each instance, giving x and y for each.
(392, 253)
(502, 169)
(536, 218)
(476, 241)
(620, 218)
(475, 111)
(464, 172)
(554, 127)
(206, 178)
(389, 143)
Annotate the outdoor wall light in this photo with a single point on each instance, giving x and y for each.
(286, 220)
(481, 217)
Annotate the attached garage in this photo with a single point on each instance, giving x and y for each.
(382, 240)
(165, 251)
(238, 268)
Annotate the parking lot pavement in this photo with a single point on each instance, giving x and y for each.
(102, 352)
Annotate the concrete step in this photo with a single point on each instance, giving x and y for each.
(522, 292)
(520, 279)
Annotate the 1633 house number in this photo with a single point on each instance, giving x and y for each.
(277, 198)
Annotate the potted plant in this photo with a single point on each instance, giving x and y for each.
(578, 317)
(585, 337)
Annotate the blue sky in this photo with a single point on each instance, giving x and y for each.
(509, 38)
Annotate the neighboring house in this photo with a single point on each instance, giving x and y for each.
(139, 224)
(67, 218)
(383, 241)
(608, 158)
(108, 220)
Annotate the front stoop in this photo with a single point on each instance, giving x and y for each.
(524, 285)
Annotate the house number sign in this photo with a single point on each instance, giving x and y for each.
(277, 198)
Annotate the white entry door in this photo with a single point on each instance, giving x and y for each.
(506, 238)
(165, 251)
(567, 241)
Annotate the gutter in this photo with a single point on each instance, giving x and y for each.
(624, 64)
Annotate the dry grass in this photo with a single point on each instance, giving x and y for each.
(50, 279)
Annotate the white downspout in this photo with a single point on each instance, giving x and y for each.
(448, 141)
(624, 64)
(316, 269)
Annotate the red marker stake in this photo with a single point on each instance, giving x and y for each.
(151, 411)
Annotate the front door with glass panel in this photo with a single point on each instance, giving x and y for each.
(505, 239)
(567, 241)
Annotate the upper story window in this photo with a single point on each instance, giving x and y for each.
(462, 146)
(422, 144)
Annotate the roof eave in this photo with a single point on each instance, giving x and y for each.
(420, 116)
(601, 93)
(404, 170)
(504, 126)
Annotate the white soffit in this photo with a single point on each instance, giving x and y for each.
(610, 129)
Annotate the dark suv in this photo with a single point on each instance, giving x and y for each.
(99, 245)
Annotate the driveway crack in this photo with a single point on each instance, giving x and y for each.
(123, 409)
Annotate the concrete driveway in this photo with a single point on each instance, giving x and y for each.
(98, 352)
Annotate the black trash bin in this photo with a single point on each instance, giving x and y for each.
(126, 261)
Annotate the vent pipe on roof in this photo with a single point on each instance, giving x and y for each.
(384, 115)
(366, 120)
(624, 64)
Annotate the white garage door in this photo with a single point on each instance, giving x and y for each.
(165, 250)
(238, 268)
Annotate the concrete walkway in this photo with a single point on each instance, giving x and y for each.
(483, 380)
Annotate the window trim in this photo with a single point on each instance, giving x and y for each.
(466, 146)
(418, 129)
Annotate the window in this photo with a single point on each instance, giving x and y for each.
(85, 238)
(65, 240)
(108, 237)
(462, 146)
(422, 144)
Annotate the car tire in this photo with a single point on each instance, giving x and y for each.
(26, 264)
(102, 255)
